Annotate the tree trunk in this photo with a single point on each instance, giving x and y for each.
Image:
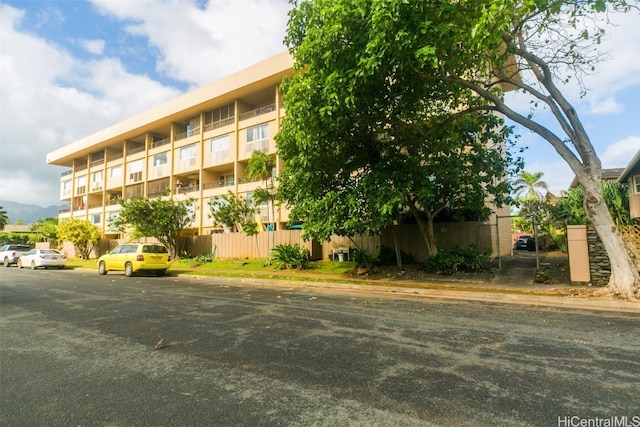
(624, 281)
(426, 229)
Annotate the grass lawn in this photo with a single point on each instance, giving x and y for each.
(231, 266)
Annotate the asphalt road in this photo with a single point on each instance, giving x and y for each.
(77, 349)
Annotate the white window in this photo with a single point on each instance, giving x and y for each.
(258, 133)
(115, 172)
(134, 169)
(96, 181)
(187, 158)
(636, 184)
(188, 152)
(160, 159)
(95, 219)
(81, 181)
(258, 139)
(220, 143)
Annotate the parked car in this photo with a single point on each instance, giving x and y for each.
(44, 258)
(523, 242)
(134, 257)
(9, 254)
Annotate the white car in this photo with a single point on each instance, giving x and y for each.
(42, 258)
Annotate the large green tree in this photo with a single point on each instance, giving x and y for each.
(365, 144)
(81, 233)
(47, 228)
(162, 218)
(231, 211)
(464, 54)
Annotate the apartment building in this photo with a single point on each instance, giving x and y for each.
(196, 146)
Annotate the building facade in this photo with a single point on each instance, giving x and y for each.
(196, 146)
(631, 176)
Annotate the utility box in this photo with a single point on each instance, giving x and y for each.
(578, 251)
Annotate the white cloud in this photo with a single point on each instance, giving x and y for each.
(619, 154)
(199, 46)
(606, 106)
(95, 47)
(40, 113)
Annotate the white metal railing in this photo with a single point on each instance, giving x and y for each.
(258, 111)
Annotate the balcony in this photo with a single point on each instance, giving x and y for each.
(65, 173)
(136, 150)
(113, 157)
(258, 111)
(96, 163)
(183, 189)
(187, 133)
(219, 124)
(160, 143)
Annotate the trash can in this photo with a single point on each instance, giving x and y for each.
(341, 257)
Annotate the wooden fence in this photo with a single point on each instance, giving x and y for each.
(406, 236)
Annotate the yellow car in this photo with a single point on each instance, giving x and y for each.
(134, 257)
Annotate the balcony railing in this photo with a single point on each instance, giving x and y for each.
(160, 143)
(97, 163)
(258, 111)
(115, 157)
(188, 133)
(65, 173)
(219, 124)
(136, 150)
(187, 188)
(219, 184)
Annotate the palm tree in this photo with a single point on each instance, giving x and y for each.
(4, 219)
(529, 184)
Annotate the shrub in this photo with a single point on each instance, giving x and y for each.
(290, 256)
(458, 259)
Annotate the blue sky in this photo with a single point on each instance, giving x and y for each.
(71, 68)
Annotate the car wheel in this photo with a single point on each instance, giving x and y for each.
(33, 265)
(128, 269)
(102, 268)
(6, 262)
(19, 263)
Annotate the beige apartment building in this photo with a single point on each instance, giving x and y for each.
(196, 146)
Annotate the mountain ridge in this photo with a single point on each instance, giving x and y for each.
(27, 213)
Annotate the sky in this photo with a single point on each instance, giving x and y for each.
(71, 68)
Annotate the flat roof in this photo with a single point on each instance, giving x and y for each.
(236, 85)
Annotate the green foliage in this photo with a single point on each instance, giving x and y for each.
(364, 260)
(162, 218)
(47, 228)
(290, 256)
(4, 219)
(383, 256)
(81, 233)
(366, 138)
(570, 209)
(387, 256)
(16, 238)
(231, 211)
(458, 259)
(529, 184)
